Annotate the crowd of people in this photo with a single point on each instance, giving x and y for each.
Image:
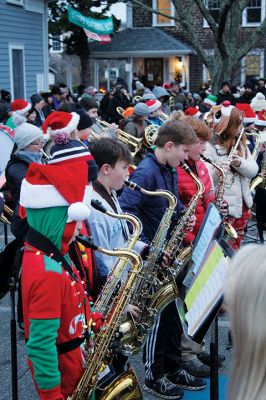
(68, 150)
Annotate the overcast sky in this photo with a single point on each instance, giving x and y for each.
(118, 9)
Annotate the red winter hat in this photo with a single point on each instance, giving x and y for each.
(60, 122)
(153, 105)
(249, 114)
(47, 186)
(261, 121)
(193, 112)
(20, 106)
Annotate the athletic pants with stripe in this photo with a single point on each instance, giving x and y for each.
(162, 350)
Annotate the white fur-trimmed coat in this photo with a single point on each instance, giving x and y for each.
(236, 185)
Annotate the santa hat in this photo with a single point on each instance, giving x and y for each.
(227, 108)
(258, 102)
(60, 122)
(153, 105)
(261, 120)
(210, 99)
(20, 106)
(193, 112)
(47, 186)
(249, 114)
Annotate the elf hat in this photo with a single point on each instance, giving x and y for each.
(210, 99)
(249, 114)
(60, 122)
(48, 186)
(261, 120)
(20, 106)
(153, 105)
(193, 112)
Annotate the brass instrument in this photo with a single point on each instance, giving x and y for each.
(228, 229)
(120, 111)
(174, 244)
(108, 291)
(150, 135)
(6, 216)
(126, 387)
(150, 295)
(164, 117)
(171, 103)
(137, 99)
(132, 142)
(259, 180)
(255, 133)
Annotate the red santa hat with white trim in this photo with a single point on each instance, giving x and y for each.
(261, 120)
(20, 106)
(193, 112)
(249, 114)
(60, 122)
(47, 186)
(153, 105)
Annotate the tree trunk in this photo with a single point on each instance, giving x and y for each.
(221, 70)
(85, 70)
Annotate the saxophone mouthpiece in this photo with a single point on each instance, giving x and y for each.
(97, 204)
(184, 166)
(87, 242)
(132, 186)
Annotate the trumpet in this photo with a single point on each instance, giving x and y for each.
(6, 216)
(132, 142)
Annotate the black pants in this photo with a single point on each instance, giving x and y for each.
(162, 350)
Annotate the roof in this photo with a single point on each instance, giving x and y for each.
(145, 42)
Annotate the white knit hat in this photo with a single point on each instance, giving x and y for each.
(258, 102)
(26, 133)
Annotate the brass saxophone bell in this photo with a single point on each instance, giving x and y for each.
(230, 231)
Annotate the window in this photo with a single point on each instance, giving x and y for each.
(254, 13)
(166, 7)
(252, 65)
(214, 9)
(57, 43)
(16, 2)
(17, 71)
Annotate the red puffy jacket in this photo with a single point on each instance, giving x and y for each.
(187, 188)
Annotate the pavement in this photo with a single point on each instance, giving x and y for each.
(25, 386)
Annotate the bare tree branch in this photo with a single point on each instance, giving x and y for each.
(210, 20)
(250, 43)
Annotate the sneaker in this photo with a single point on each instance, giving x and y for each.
(205, 358)
(163, 388)
(196, 368)
(184, 380)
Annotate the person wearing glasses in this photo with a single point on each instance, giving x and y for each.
(28, 139)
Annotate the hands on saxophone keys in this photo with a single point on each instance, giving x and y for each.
(191, 224)
(134, 311)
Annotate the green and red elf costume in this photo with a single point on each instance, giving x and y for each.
(57, 313)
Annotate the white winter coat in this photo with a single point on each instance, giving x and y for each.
(236, 185)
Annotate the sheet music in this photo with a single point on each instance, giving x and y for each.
(206, 289)
(210, 224)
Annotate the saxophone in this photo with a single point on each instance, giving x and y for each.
(150, 295)
(219, 195)
(259, 180)
(174, 244)
(108, 292)
(125, 387)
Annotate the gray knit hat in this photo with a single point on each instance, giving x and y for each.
(159, 91)
(141, 110)
(26, 133)
(148, 95)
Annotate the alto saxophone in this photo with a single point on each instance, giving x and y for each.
(150, 296)
(109, 290)
(174, 244)
(101, 349)
(259, 180)
(219, 196)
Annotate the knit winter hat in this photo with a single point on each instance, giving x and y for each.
(139, 85)
(159, 91)
(47, 186)
(20, 106)
(193, 112)
(249, 115)
(60, 124)
(72, 151)
(210, 99)
(148, 95)
(261, 120)
(85, 120)
(36, 98)
(141, 110)
(258, 102)
(25, 133)
(128, 112)
(153, 105)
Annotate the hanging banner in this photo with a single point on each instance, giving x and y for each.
(98, 26)
(98, 38)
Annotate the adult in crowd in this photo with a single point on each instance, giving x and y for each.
(261, 86)
(177, 94)
(38, 103)
(121, 99)
(56, 98)
(225, 94)
(248, 94)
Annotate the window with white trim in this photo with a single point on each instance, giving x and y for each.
(166, 7)
(16, 2)
(214, 9)
(57, 43)
(252, 65)
(17, 71)
(254, 13)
